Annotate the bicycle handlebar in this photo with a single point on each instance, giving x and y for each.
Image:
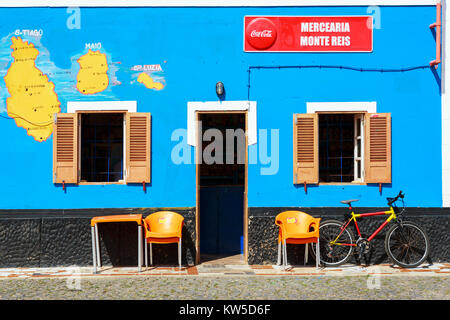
(392, 200)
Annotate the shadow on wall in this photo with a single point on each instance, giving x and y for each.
(118, 247)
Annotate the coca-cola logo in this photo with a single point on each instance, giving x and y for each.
(260, 33)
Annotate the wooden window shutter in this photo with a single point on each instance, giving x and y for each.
(65, 148)
(306, 149)
(138, 147)
(377, 156)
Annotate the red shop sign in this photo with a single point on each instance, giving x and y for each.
(308, 34)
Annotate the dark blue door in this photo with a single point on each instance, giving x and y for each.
(221, 219)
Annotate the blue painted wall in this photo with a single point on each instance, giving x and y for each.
(198, 47)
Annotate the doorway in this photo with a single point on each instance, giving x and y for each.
(221, 186)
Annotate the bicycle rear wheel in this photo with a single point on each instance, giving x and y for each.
(333, 255)
(407, 244)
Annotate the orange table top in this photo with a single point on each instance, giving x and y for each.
(118, 218)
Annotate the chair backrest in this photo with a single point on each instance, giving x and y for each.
(295, 222)
(164, 222)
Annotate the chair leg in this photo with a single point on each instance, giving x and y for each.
(151, 254)
(285, 255)
(317, 253)
(179, 253)
(279, 254)
(146, 253)
(139, 248)
(305, 261)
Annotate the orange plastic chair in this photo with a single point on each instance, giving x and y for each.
(298, 228)
(163, 227)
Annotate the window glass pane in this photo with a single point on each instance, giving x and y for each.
(336, 147)
(358, 148)
(358, 127)
(102, 147)
(358, 169)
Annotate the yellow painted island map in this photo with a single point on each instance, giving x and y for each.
(92, 77)
(33, 100)
(35, 88)
(146, 80)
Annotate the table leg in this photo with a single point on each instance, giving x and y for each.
(139, 248)
(94, 258)
(97, 245)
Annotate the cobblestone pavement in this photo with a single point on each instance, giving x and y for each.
(229, 287)
(228, 282)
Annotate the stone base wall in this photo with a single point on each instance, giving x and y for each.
(50, 238)
(263, 233)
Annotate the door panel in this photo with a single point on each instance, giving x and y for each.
(221, 224)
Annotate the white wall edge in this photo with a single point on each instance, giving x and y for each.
(445, 107)
(370, 107)
(73, 106)
(211, 3)
(249, 106)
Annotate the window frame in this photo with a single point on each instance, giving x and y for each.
(377, 135)
(361, 114)
(69, 172)
(360, 158)
(79, 113)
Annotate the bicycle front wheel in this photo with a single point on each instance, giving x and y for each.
(407, 244)
(334, 251)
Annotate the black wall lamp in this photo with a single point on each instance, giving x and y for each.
(220, 89)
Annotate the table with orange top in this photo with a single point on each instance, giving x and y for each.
(116, 218)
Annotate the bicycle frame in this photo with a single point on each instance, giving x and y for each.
(354, 216)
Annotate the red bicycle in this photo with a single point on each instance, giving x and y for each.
(406, 243)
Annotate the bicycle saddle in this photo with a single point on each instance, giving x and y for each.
(349, 201)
